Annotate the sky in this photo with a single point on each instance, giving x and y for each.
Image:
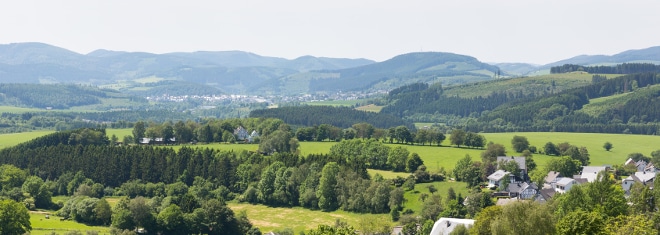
(529, 31)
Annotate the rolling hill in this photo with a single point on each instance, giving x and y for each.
(428, 67)
(647, 55)
(229, 71)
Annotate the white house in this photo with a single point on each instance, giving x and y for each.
(590, 172)
(564, 184)
(496, 178)
(444, 226)
(254, 134)
(643, 177)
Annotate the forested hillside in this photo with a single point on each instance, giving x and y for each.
(552, 108)
(559, 112)
(625, 68)
(408, 68)
(337, 116)
(57, 96)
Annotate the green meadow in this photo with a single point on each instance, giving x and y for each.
(297, 218)
(43, 226)
(8, 140)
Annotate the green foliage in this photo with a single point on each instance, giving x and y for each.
(14, 218)
(519, 143)
(326, 191)
(279, 141)
(343, 117)
(484, 220)
(607, 146)
(581, 222)
(524, 218)
(631, 224)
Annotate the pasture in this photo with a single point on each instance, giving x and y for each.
(412, 197)
(370, 108)
(297, 218)
(43, 226)
(8, 140)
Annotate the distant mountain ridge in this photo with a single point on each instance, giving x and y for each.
(241, 72)
(646, 55)
(35, 62)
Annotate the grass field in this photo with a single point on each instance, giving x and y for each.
(370, 108)
(8, 140)
(12, 109)
(296, 218)
(387, 174)
(43, 226)
(412, 197)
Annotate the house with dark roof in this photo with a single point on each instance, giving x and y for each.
(545, 194)
(522, 165)
(522, 190)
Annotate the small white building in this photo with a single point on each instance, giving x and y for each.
(591, 172)
(564, 184)
(495, 179)
(444, 226)
(643, 177)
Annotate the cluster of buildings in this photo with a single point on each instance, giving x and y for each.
(514, 186)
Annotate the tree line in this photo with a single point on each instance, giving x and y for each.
(342, 117)
(625, 68)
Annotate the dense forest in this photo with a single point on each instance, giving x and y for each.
(421, 98)
(337, 116)
(53, 96)
(625, 68)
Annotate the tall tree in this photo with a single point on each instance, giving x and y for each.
(139, 130)
(519, 143)
(326, 192)
(457, 137)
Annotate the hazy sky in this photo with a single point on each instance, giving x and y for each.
(533, 31)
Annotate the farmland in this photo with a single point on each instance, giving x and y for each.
(435, 157)
(444, 156)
